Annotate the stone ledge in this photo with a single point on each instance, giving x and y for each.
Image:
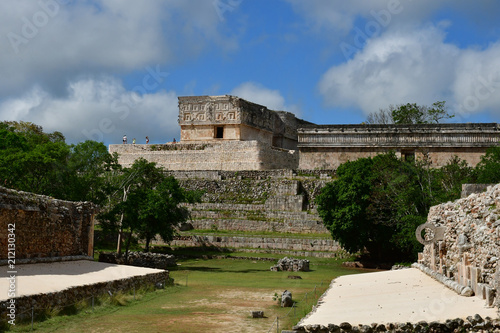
(451, 284)
(47, 301)
(47, 259)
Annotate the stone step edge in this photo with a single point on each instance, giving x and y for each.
(450, 283)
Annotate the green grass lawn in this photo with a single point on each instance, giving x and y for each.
(215, 295)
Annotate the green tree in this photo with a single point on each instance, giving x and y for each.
(377, 203)
(451, 177)
(31, 160)
(149, 206)
(343, 206)
(488, 169)
(410, 113)
(90, 167)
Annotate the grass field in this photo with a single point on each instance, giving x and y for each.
(215, 295)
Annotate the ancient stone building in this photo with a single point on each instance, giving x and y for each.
(224, 133)
(328, 146)
(229, 133)
(230, 118)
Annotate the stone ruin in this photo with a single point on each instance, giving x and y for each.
(45, 229)
(229, 133)
(141, 259)
(291, 265)
(469, 252)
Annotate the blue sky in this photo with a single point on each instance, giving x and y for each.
(100, 69)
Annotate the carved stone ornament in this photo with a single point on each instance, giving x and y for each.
(209, 111)
(433, 233)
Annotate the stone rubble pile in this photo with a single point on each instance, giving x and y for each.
(291, 265)
(470, 324)
(469, 254)
(141, 259)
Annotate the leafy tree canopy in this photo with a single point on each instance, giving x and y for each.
(410, 113)
(376, 204)
(150, 205)
(488, 169)
(34, 161)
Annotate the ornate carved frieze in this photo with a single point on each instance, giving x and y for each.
(444, 135)
(205, 110)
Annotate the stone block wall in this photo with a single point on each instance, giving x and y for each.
(236, 217)
(45, 227)
(470, 250)
(266, 204)
(222, 155)
(332, 157)
(265, 243)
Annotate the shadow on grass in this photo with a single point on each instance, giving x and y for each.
(216, 269)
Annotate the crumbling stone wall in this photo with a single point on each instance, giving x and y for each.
(470, 250)
(45, 227)
(140, 259)
(266, 204)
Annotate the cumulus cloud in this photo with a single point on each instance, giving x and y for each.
(50, 42)
(416, 67)
(477, 83)
(257, 93)
(394, 68)
(98, 109)
(60, 60)
(397, 51)
(341, 16)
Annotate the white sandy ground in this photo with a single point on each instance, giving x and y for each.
(51, 277)
(407, 295)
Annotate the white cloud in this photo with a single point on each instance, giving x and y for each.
(50, 42)
(341, 15)
(395, 68)
(416, 67)
(60, 60)
(477, 83)
(98, 109)
(257, 93)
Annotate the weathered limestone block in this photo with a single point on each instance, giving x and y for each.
(291, 265)
(286, 299)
